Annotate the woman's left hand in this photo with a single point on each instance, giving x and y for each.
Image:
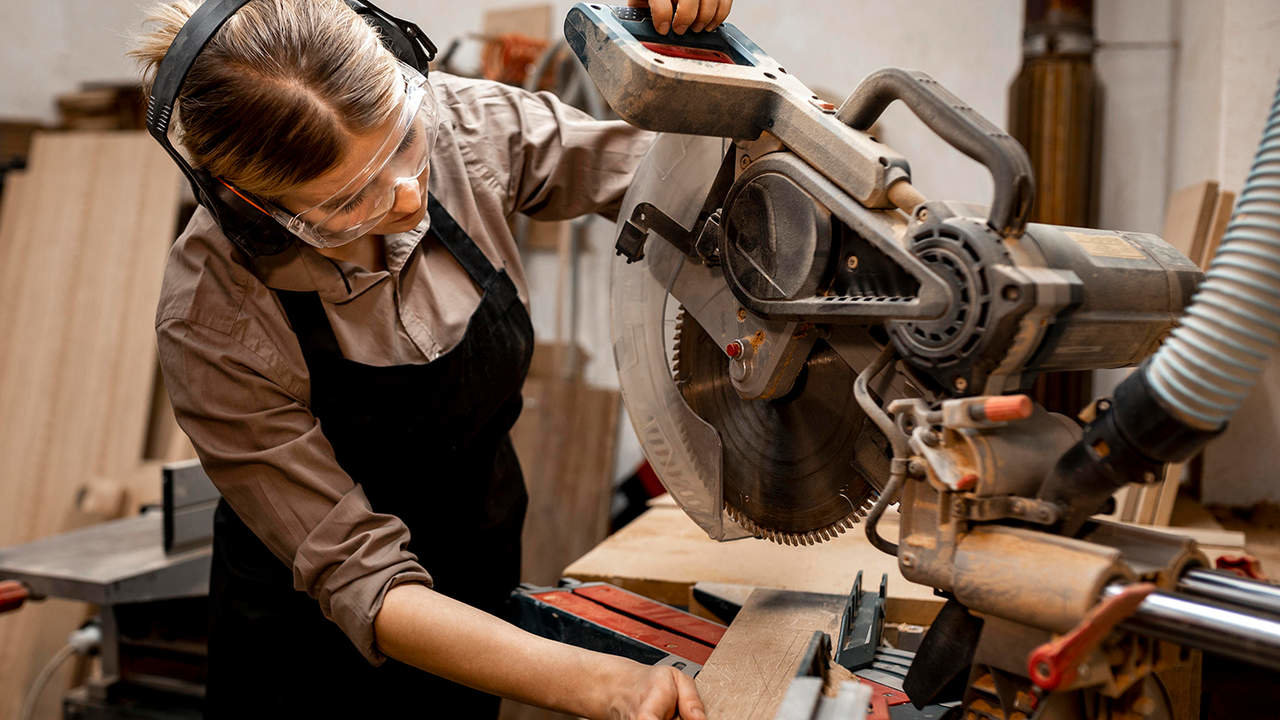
(682, 15)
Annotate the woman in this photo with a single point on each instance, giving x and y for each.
(351, 395)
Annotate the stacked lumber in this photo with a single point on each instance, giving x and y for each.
(83, 237)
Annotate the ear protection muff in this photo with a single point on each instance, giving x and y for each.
(240, 216)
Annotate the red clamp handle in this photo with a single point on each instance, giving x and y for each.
(1054, 664)
(1246, 566)
(12, 595)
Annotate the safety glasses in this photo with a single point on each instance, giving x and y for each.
(366, 200)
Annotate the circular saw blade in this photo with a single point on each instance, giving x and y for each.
(798, 469)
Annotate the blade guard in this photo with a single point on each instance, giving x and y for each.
(684, 450)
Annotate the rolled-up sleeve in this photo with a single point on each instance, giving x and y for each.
(560, 163)
(264, 450)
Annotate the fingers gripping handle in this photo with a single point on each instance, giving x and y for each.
(962, 127)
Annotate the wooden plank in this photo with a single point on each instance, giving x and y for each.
(96, 218)
(1148, 495)
(1173, 475)
(1132, 498)
(1188, 216)
(1218, 228)
(565, 440)
(662, 553)
(754, 663)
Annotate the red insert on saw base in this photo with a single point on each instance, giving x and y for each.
(691, 53)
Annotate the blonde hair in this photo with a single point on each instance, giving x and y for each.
(274, 97)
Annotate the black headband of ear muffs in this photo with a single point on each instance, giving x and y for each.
(252, 229)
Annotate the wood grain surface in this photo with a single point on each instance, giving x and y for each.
(83, 238)
(756, 660)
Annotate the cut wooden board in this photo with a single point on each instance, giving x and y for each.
(662, 553)
(754, 663)
(83, 242)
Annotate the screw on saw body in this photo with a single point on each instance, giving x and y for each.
(853, 262)
(743, 347)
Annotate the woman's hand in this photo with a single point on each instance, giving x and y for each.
(655, 693)
(423, 628)
(696, 15)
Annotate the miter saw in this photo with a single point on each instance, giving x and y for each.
(802, 338)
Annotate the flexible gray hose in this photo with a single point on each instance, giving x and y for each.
(1206, 369)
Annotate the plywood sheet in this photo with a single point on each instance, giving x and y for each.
(663, 553)
(83, 241)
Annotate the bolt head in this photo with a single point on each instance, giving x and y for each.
(960, 383)
(734, 349)
(853, 262)
(908, 560)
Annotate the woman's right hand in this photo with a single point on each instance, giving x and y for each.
(644, 692)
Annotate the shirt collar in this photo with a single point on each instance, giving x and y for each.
(300, 268)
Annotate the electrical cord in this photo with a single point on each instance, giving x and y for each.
(897, 439)
(85, 641)
(42, 679)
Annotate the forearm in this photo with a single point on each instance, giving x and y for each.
(423, 628)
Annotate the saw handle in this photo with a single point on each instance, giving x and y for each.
(962, 127)
(12, 595)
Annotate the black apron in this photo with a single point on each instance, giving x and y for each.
(429, 444)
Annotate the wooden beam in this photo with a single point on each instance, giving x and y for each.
(756, 660)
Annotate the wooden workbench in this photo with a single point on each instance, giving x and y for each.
(663, 553)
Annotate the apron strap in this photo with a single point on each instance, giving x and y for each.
(460, 245)
(305, 311)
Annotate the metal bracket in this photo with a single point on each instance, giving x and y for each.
(862, 625)
(985, 509)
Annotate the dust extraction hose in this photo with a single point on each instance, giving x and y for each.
(1206, 369)
(1184, 396)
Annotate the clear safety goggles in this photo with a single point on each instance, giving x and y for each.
(367, 199)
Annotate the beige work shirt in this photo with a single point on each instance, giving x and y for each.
(236, 375)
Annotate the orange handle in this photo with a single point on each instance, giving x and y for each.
(1005, 408)
(12, 595)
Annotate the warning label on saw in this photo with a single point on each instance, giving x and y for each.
(1109, 246)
